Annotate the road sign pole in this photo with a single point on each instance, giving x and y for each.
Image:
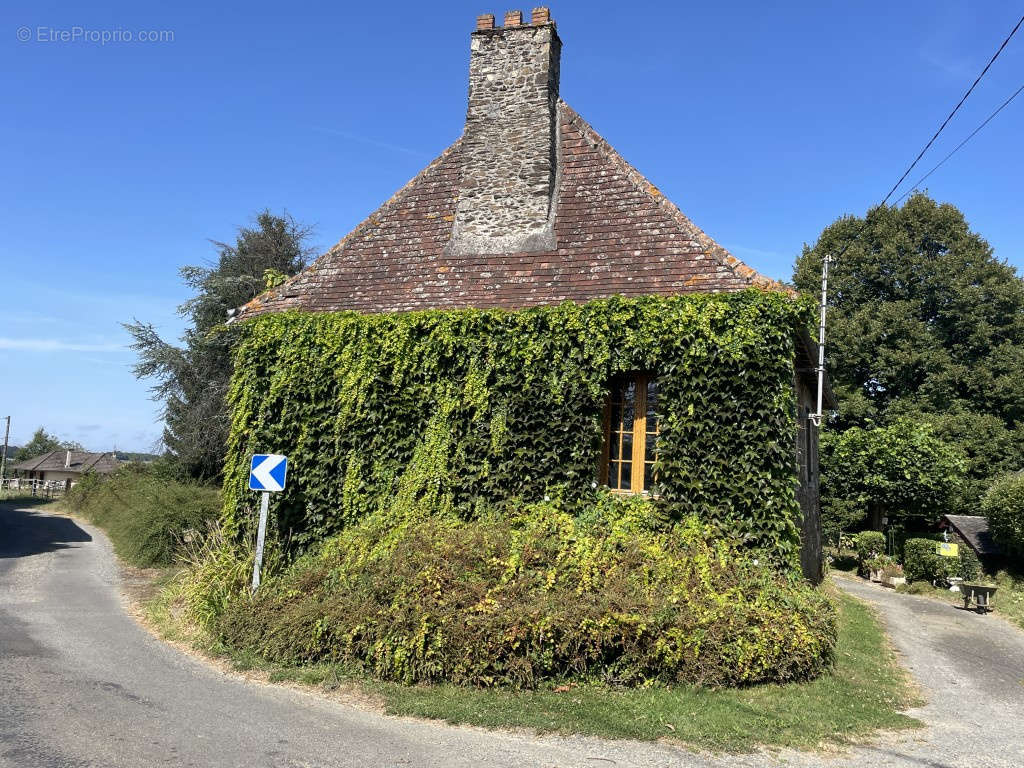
(267, 473)
(260, 538)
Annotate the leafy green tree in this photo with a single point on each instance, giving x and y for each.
(925, 322)
(43, 442)
(1003, 505)
(192, 379)
(902, 471)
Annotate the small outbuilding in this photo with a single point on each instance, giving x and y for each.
(972, 531)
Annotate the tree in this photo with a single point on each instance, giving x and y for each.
(1003, 505)
(43, 442)
(903, 471)
(924, 322)
(192, 379)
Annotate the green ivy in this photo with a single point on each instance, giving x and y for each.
(467, 413)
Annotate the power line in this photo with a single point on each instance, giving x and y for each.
(816, 418)
(959, 146)
(931, 141)
(955, 110)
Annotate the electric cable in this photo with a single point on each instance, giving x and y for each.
(958, 147)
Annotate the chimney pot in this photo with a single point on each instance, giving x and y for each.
(485, 21)
(540, 15)
(513, 18)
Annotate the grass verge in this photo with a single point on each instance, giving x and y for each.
(24, 499)
(866, 691)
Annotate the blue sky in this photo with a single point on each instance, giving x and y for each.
(762, 121)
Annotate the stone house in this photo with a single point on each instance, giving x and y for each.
(529, 207)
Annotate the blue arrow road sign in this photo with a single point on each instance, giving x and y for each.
(267, 472)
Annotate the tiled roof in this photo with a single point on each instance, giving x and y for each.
(615, 233)
(80, 461)
(974, 529)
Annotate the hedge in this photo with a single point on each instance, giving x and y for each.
(922, 563)
(617, 596)
(473, 413)
(145, 515)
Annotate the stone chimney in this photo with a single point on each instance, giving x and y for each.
(510, 144)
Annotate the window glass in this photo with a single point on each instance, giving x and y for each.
(632, 433)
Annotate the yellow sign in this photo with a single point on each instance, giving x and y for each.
(947, 549)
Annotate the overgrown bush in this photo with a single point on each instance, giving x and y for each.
(1003, 505)
(145, 514)
(870, 544)
(970, 564)
(478, 410)
(922, 563)
(615, 594)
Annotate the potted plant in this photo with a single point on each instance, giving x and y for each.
(877, 565)
(874, 567)
(892, 575)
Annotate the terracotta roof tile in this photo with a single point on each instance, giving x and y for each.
(615, 233)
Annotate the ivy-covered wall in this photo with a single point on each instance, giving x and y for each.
(470, 413)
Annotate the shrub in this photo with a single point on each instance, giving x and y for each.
(922, 563)
(145, 515)
(479, 409)
(1003, 505)
(880, 563)
(615, 594)
(970, 565)
(869, 545)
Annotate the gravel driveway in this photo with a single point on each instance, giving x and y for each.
(970, 669)
(81, 684)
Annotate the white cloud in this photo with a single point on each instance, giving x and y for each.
(57, 345)
(368, 141)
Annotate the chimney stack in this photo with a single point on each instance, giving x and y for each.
(67, 460)
(510, 142)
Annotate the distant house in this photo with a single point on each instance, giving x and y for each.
(63, 465)
(972, 531)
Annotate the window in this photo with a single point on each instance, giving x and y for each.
(631, 434)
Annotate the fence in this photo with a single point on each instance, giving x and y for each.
(20, 486)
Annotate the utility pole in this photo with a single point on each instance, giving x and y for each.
(3, 456)
(817, 415)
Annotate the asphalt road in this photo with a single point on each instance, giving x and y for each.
(81, 684)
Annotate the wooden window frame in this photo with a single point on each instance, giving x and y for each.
(638, 455)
